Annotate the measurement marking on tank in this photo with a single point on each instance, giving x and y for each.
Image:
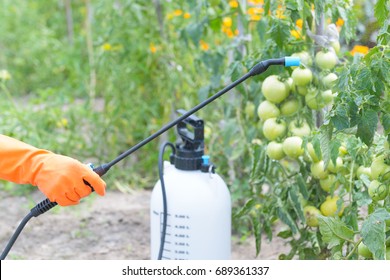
(182, 236)
(181, 252)
(181, 216)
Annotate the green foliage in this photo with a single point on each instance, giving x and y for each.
(374, 233)
(95, 84)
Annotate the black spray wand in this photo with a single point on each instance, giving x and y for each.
(46, 204)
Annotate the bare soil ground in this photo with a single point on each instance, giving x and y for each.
(114, 227)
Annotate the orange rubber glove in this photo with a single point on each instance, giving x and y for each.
(62, 179)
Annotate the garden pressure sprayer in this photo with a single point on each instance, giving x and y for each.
(190, 211)
(46, 204)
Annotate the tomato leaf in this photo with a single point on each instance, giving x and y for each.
(381, 11)
(246, 208)
(295, 202)
(384, 33)
(340, 118)
(257, 232)
(374, 233)
(315, 242)
(334, 231)
(279, 31)
(261, 28)
(367, 126)
(195, 31)
(285, 217)
(302, 186)
(334, 146)
(285, 234)
(325, 140)
(385, 121)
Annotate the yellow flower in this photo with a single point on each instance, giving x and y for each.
(359, 49)
(256, 2)
(340, 22)
(229, 33)
(62, 123)
(152, 48)
(255, 11)
(227, 22)
(233, 4)
(255, 17)
(4, 75)
(187, 15)
(296, 34)
(203, 45)
(280, 13)
(106, 47)
(177, 12)
(299, 23)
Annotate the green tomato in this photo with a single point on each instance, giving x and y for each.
(302, 90)
(327, 96)
(312, 153)
(249, 110)
(326, 60)
(318, 170)
(364, 251)
(335, 168)
(329, 182)
(299, 128)
(388, 253)
(329, 80)
(377, 191)
(363, 170)
(273, 129)
(275, 90)
(314, 100)
(336, 46)
(329, 207)
(290, 82)
(311, 213)
(305, 58)
(343, 150)
(267, 110)
(302, 76)
(275, 150)
(378, 167)
(289, 107)
(292, 146)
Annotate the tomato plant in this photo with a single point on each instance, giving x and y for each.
(326, 138)
(299, 157)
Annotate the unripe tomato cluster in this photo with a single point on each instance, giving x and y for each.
(282, 112)
(286, 122)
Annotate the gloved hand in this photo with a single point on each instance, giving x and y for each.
(62, 179)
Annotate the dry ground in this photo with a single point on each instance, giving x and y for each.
(112, 227)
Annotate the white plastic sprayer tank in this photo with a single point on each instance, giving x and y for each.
(199, 216)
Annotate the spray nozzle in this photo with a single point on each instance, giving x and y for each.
(189, 150)
(191, 131)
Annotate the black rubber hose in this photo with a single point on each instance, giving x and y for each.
(15, 235)
(164, 196)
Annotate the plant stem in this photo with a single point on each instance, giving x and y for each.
(350, 180)
(69, 20)
(353, 249)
